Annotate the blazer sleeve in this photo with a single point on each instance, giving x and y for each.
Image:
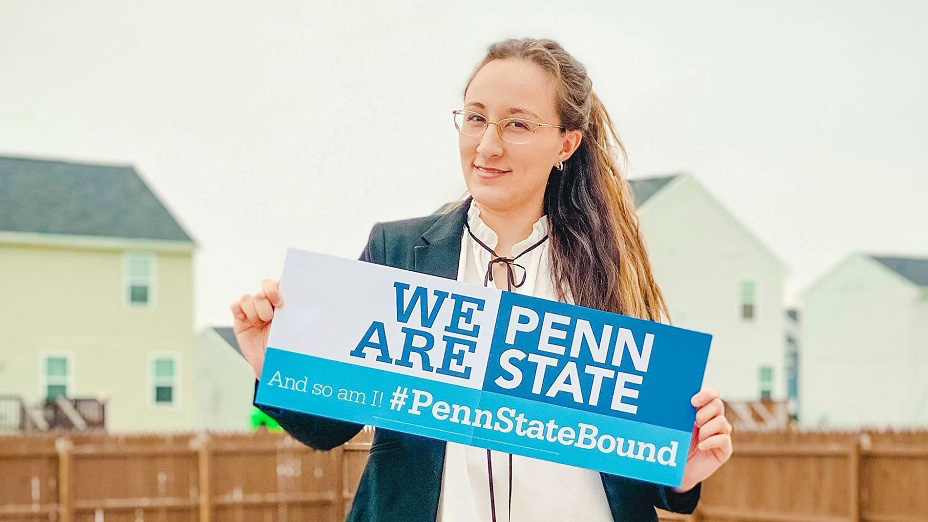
(323, 433)
(669, 500)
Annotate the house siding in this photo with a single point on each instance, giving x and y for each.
(224, 384)
(863, 348)
(72, 299)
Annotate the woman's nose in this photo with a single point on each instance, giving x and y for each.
(490, 143)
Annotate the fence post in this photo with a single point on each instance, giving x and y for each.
(341, 490)
(206, 499)
(854, 473)
(63, 447)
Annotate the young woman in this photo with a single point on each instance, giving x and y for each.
(550, 215)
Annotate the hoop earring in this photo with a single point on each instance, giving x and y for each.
(559, 166)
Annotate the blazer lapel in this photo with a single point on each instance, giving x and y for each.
(442, 249)
(439, 256)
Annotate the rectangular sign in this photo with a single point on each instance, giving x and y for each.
(436, 357)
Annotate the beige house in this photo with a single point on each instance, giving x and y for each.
(97, 285)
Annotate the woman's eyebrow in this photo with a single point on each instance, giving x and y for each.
(513, 110)
(516, 110)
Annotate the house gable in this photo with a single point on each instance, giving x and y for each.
(856, 272)
(675, 186)
(228, 335)
(644, 188)
(912, 269)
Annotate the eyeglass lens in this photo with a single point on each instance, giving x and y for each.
(512, 130)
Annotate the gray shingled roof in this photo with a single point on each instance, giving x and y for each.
(644, 188)
(228, 336)
(57, 197)
(914, 269)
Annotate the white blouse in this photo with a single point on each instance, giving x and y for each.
(541, 490)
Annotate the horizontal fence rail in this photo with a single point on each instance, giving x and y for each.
(242, 477)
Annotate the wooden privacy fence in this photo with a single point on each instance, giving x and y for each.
(175, 477)
(774, 476)
(821, 477)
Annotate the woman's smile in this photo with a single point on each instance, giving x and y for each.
(489, 172)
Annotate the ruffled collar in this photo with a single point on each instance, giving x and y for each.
(488, 236)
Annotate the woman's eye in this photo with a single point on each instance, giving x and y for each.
(519, 125)
(475, 118)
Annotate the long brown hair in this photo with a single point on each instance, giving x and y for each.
(597, 250)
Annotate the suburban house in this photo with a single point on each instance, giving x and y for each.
(717, 277)
(97, 282)
(864, 358)
(225, 382)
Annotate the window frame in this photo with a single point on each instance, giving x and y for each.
(742, 302)
(44, 381)
(761, 381)
(128, 279)
(153, 381)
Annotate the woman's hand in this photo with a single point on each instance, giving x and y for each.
(711, 445)
(253, 315)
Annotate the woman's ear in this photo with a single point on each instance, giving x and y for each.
(569, 144)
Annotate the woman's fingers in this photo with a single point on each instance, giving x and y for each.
(258, 309)
(237, 312)
(253, 314)
(722, 442)
(712, 409)
(704, 396)
(263, 307)
(716, 426)
(271, 288)
(247, 303)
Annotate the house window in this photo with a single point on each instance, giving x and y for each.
(139, 278)
(747, 300)
(57, 371)
(164, 381)
(765, 377)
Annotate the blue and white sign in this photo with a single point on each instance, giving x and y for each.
(440, 358)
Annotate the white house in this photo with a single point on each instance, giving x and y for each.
(224, 381)
(864, 358)
(717, 277)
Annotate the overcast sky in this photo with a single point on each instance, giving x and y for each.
(264, 125)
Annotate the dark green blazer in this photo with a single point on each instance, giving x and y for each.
(402, 480)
